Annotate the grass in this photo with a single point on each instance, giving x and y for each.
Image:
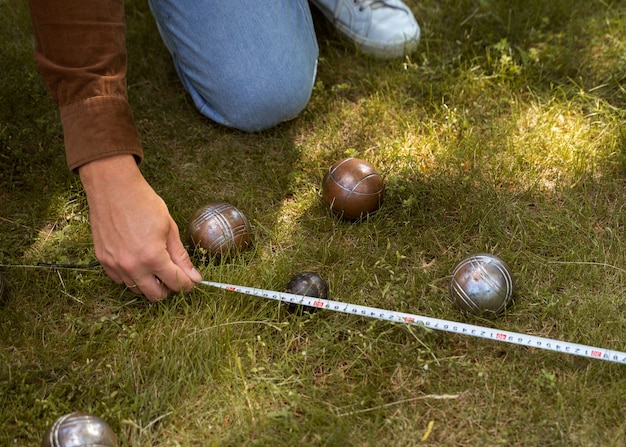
(504, 133)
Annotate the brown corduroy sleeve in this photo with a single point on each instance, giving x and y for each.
(81, 54)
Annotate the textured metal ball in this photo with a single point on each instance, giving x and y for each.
(219, 228)
(352, 188)
(482, 284)
(79, 430)
(307, 284)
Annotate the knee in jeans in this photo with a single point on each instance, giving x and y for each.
(266, 106)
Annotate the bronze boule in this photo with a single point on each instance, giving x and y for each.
(221, 229)
(352, 188)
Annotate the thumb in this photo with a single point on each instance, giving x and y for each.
(180, 256)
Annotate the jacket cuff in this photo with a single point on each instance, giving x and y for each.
(99, 127)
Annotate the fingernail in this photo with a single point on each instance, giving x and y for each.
(195, 275)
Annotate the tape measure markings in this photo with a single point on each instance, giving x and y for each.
(431, 323)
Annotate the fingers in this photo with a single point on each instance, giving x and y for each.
(180, 257)
(152, 288)
(157, 273)
(135, 239)
(175, 271)
(118, 275)
(156, 279)
(146, 283)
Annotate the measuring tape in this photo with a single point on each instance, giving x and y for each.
(431, 323)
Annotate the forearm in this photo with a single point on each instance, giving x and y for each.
(81, 54)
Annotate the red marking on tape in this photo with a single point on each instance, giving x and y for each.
(501, 336)
(596, 354)
(409, 320)
(318, 303)
(231, 288)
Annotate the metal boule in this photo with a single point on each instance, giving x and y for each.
(79, 430)
(482, 284)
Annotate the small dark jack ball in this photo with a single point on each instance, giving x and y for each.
(221, 229)
(307, 284)
(482, 284)
(352, 188)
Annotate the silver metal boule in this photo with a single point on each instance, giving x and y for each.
(79, 430)
(482, 284)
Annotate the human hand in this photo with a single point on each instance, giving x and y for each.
(135, 238)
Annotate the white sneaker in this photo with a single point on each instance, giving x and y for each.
(382, 28)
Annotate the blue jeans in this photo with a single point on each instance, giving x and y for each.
(247, 64)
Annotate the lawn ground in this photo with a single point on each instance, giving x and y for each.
(504, 134)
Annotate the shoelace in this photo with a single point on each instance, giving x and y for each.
(365, 3)
(373, 4)
(362, 5)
